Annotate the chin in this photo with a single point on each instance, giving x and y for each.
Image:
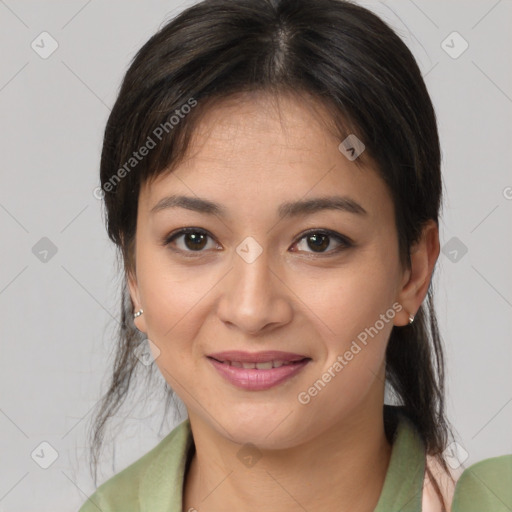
(268, 430)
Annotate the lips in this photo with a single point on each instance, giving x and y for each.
(257, 371)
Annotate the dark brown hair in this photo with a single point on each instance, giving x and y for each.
(335, 51)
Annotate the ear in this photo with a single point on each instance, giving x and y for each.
(416, 280)
(140, 321)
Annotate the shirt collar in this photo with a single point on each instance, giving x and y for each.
(161, 488)
(403, 485)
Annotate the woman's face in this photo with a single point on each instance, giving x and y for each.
(262, 274)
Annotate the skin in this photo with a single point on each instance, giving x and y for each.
(332, 453)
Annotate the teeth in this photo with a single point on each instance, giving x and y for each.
(264, 366)
(267, 365)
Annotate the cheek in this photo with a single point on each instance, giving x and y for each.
(350, 297)
(353, 306)
(354, 339)
(175, 299)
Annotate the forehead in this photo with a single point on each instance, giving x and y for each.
(255, 148)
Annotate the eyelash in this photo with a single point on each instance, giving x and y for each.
(345, 242)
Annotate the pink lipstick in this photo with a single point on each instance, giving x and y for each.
(257, 371)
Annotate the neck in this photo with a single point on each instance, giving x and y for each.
(342, 469)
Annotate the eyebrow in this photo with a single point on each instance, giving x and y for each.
(289, 209)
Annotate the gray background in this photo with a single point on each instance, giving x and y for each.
(59, 315)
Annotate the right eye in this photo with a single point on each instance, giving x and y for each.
(188, 240)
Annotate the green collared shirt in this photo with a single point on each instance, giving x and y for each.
(154, 483)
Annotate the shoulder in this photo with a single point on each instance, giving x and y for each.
(123, 490)
(486, 485)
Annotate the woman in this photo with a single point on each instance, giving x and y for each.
(271, 177)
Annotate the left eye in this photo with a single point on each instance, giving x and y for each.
(321, 240)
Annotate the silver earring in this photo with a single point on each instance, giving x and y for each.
(411, 319)
(138, 313)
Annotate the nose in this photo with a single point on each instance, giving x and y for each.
(254, 297)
